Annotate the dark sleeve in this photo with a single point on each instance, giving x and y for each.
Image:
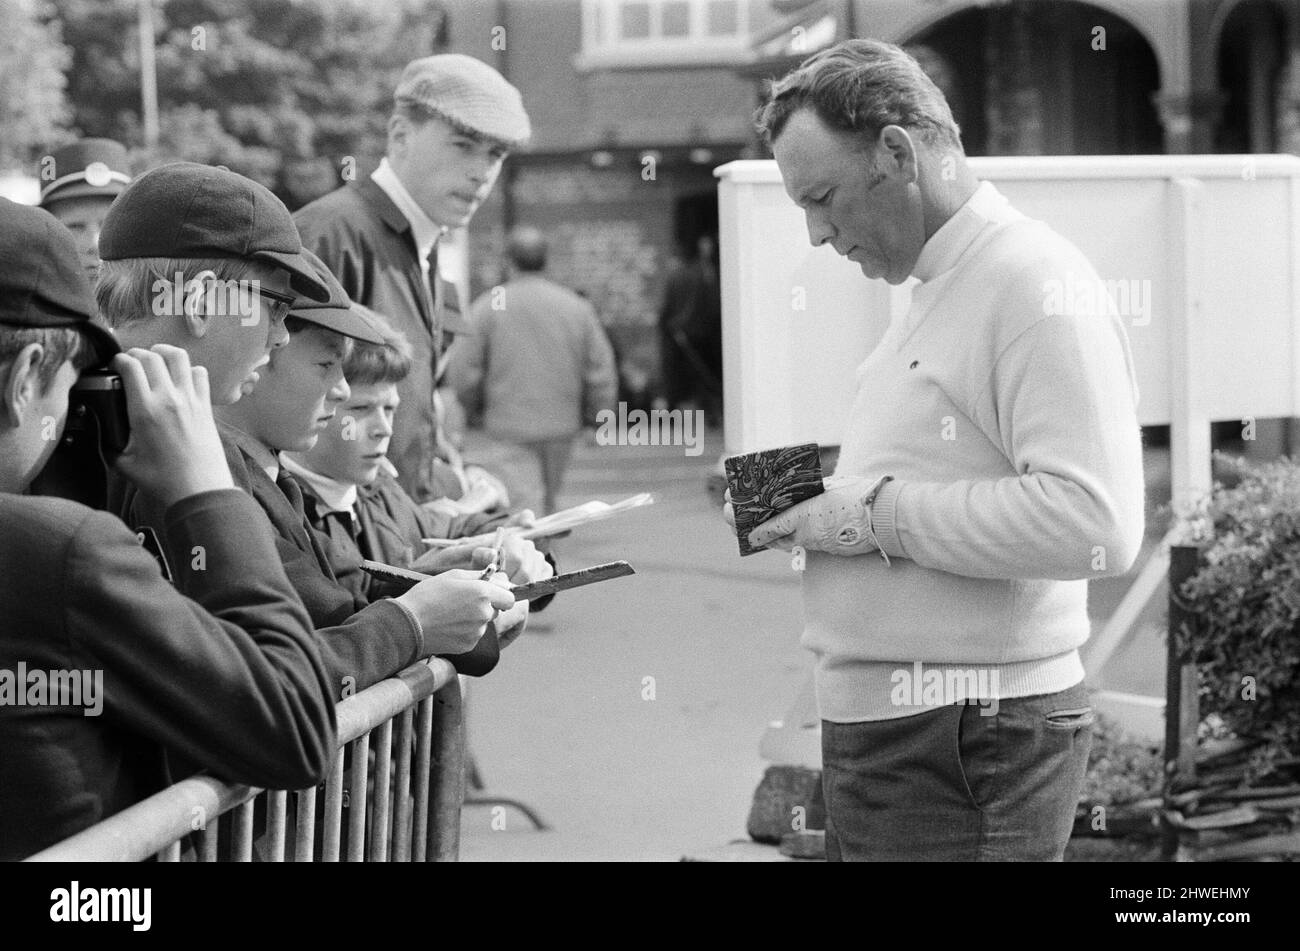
(336, 243)
(227, 673)
(467, 361)
(361, 644)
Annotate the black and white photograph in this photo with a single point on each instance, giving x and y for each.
(652, 431)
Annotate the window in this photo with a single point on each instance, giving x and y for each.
(664, 32)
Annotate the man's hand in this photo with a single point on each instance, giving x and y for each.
(174, 450)
(455, 609)
(838, 521)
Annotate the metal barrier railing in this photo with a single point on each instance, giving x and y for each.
(387, 819)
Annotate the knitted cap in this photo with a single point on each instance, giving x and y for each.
(469, 92)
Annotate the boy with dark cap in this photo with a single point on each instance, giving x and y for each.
(223, 236)
(80, 181)
(223, 673)
(454, 121)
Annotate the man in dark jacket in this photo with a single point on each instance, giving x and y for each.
(454, 121)
(107, 672)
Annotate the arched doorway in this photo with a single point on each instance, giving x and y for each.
(1029, 78)
(1251, 53)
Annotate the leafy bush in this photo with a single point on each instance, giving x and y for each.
(1246, 598)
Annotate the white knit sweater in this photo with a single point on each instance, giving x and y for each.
(1010, 431)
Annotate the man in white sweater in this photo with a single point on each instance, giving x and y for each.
(991, 465)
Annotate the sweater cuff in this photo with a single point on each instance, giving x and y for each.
(884, 520)
(415, 624)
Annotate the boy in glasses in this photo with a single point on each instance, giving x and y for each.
(234, 256)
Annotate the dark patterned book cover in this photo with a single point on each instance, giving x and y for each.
(766, 483)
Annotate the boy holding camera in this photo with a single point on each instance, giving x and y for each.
(223, 673)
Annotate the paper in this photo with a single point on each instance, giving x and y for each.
(555, 523)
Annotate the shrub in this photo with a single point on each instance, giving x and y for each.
(1246, 599)
(1120, 769)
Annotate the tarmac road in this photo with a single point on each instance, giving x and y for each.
(629, 714)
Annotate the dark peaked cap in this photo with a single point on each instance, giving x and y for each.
(42, 281)
(87, 167)
(187, 210)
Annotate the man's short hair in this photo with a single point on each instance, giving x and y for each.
(527, 248)
(62, 344)
(128, 289)
(370, 363)
(861, 86)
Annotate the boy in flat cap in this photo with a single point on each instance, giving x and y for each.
(454, 121)
(110, 678)
(80, 181)
(224, 238)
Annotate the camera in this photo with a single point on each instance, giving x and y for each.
(96, 433)
(97, 413)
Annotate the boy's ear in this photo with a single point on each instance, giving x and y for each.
(197, 318)
(20, 384)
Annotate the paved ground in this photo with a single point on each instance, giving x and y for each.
(629, 716)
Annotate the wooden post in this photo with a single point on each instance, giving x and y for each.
(1182, 709)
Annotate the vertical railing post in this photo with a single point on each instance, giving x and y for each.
(402, 793)
(357, 798)
(1182, 708)
(277, 831)
(447, 774)
(381, 815)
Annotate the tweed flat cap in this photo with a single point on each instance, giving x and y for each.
(469, 92)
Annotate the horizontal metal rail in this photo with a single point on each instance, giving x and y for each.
(420, 823)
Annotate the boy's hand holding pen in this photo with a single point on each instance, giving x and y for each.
(517, 557)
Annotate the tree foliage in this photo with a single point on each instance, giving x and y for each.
(33, 58)
(283, 91)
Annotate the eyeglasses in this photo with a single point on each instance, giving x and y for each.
(281, 304)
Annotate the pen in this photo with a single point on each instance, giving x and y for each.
(498, 542)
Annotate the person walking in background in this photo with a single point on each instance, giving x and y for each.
(690, 332)
(536, 368)
(79, 186)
